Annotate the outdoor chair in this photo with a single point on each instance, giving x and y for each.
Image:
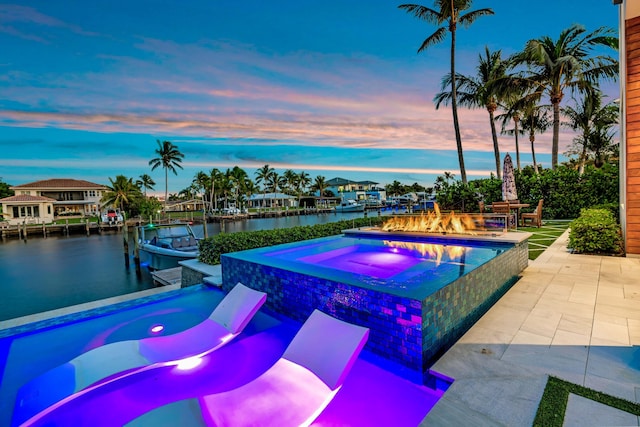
(112, 361)
(535, 217)
(293, 392)
(503, 208)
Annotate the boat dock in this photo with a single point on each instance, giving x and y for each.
(23, 231)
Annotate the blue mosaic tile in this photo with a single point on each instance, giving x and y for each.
(411, 332)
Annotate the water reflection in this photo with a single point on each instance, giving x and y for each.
(59, 271)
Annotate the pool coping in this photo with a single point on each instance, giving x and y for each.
(511, 237)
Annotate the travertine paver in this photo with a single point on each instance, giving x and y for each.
(576, 317)
(582, 412)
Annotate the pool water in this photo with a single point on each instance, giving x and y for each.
(402, 264)
(373, 392)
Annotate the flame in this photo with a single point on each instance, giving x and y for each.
(433, 251)
(434, 222)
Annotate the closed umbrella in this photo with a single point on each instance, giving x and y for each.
(509, 191)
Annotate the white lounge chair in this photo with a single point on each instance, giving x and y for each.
(293, 392)
(115, 360)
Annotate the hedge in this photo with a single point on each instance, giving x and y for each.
(595, 231)
(212, 247)
(564, 190)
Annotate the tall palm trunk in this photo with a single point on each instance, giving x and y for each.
(454, 104)
(166, 187)
(555, 101)
(532, 139)
(583, 158)
(516, 119)
(494, 136)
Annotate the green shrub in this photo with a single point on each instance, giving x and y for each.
(595, 231)
(614, 208)
(212, 247)
(564, 190)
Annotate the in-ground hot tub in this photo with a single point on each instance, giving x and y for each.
(418, 293)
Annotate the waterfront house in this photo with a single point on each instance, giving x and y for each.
(191, 205)
(272, 200)
(357, 190)
(44, 201)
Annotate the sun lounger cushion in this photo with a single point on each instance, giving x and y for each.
(236, 311)
(330, 359)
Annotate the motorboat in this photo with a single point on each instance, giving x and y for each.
(112, 217)
(349, 205)
(163, 246)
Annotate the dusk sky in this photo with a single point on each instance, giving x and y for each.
(332, 88)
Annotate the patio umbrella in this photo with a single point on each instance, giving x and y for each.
(509, 191)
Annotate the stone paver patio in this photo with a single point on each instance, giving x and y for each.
(576, 317)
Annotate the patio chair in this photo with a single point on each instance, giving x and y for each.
(293, 392)
(118, 359)
(535, 217)
(503, 208)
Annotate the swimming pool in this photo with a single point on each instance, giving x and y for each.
(405, 268)
(27, 354)
(416, 293)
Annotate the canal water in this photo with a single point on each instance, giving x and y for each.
(41, 274)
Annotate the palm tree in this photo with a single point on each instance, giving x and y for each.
(250, 188)
(512, 104)
(226, 186)
(319, 185)
(601, 142)
(202, 181)
(273, 181)
(290, 178)
(214, 178)
(566, 63)
(120, 193)
(262, 177)
(589, 118)
(449, 13)
(535, 120)
(237, 178)
(146, 182)
(480, 91)
(188, 193)
(395, 188)
(302, 182)
(169, 157)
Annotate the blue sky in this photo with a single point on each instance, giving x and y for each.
(332, 88)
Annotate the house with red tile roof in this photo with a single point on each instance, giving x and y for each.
(44, 201)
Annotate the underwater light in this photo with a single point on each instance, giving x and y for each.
(189, 363)
(156, 329)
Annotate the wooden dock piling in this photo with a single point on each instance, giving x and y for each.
(125, 241)
(136, 249)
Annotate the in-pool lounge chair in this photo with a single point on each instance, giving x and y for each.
(114, 360)
(293, 392)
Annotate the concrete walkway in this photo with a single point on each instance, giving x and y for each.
(576, 317)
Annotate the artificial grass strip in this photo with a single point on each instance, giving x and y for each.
(544, 236)
(553, 404)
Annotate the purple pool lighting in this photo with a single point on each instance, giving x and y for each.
(382, 263)
(370, 395)
(417, 293)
